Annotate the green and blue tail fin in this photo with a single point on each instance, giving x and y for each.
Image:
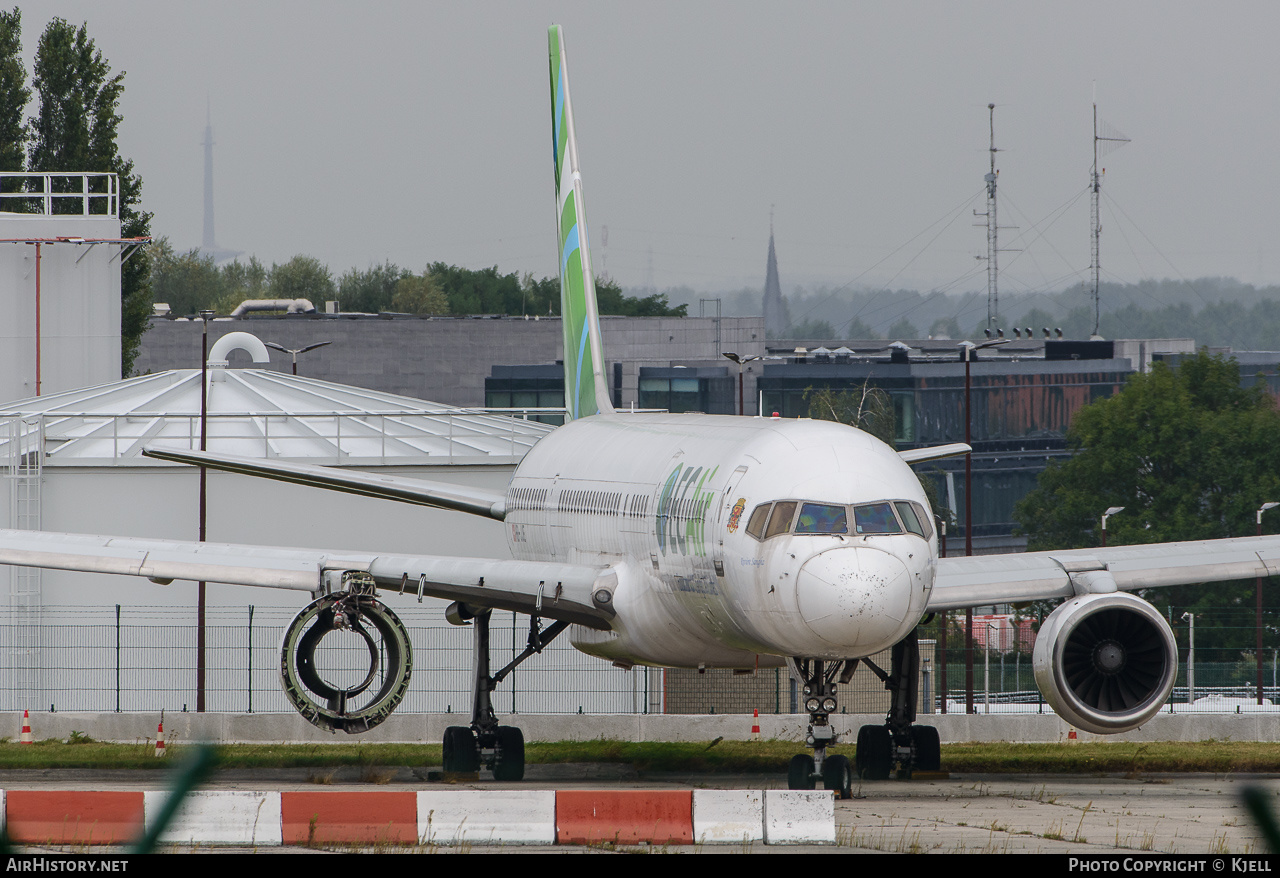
(586, 391)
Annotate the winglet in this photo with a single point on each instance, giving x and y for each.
(937, 452)
(586, 392)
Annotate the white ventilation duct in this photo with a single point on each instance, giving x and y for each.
(292, 306)
(235, 341)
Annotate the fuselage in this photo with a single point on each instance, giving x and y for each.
(736, 541)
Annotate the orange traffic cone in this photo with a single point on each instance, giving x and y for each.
(26, 728)
(1071, 736)
(160, 751)
(755, 725)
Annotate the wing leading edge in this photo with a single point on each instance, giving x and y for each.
(982, 580)
(555, 591)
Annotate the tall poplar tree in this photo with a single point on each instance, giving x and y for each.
(14, 95)
(75, 130)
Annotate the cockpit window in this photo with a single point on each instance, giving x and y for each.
(755, 526)
(876, 518)
(909, 518)
(821, 518)
(780, 521)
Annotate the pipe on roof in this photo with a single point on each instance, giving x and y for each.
(235, 341)
(292, 306)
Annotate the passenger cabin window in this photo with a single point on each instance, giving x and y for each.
(876, 518)
(755, 526)
(821, 518)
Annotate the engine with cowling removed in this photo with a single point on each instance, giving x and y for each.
(1105, 663)
(346, 659)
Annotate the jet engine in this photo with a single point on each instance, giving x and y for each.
(345, 660)
(1105, 662)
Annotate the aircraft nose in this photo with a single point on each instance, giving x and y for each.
(855, 598)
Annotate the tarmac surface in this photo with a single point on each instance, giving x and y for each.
(970, 813)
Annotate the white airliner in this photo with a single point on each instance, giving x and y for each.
(692, 541)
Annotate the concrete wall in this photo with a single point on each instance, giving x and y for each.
(429, 728)
(447, 360)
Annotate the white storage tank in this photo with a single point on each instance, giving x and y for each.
(73, 463)
(60, 257)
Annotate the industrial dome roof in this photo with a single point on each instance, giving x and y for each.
(259, 413)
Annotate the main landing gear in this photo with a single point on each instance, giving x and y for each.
(899, 743)
(484, 742)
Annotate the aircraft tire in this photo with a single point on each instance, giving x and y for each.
(928, 748)
(874, 756)
(800, 772)
(837, 776)
(460, 754)
(510, 764)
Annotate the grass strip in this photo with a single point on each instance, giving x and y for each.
(724, 757)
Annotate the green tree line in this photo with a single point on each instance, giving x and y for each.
(1190, 455)
(76, 103)
(189, 282)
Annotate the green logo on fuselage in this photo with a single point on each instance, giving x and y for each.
(679, 519)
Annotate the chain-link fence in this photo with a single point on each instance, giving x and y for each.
(144, 659)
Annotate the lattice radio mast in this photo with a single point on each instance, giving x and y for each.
(1095, 217)
(993, 267)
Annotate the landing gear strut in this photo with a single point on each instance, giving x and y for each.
(818, 679)
(484, 742)
(898, 743)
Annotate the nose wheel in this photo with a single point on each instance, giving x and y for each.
(818, 679)
(899, 744)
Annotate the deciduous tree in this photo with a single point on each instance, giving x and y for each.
(1190, 455)
(14, 96)
(75, 129)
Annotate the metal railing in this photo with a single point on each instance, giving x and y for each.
(136, 659)
(144, 659)
(47, 194)
(327, 436)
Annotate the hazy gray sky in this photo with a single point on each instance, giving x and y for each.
(417, 132)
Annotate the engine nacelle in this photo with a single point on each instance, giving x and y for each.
(1106, 663)
(325, 681)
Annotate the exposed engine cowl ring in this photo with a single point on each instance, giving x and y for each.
(346, 706)
(1106, 663)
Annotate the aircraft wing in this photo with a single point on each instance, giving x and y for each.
(554, 591)
(477, 501)
(983, 580)
(937, 452)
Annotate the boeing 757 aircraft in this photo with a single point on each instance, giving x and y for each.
(691, 541)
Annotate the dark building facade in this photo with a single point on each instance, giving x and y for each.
(1021, 407)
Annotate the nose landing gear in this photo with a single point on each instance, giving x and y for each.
(898, 744)
(818, 679)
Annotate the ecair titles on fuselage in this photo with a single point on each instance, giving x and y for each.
(695, 587)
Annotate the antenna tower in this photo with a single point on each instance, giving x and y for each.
(1095, 218)
(993, 268)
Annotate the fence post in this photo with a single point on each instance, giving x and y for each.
(250, 677)
(117, 658)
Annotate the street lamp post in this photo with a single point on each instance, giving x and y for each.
(1110, 512)
(1257, 618)
(205, 316)
(1191, 658)
(942, 622)
(296, 351)
(741, 361)
(966, 353)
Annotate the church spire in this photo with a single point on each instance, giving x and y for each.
(776, 319)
